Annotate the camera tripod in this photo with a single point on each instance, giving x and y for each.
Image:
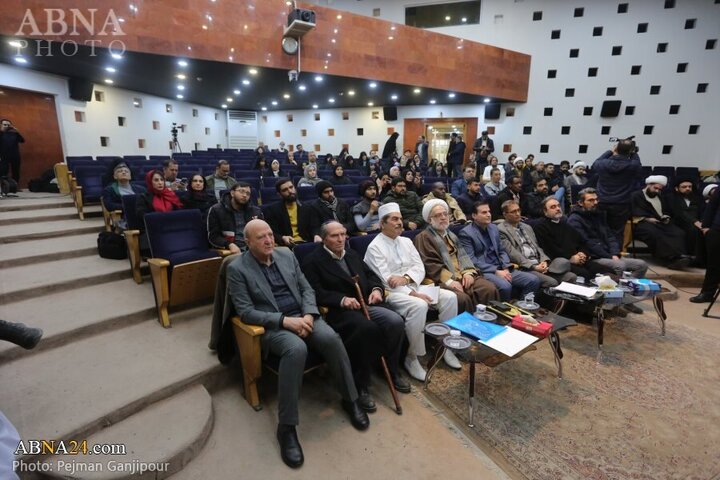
(175, 145)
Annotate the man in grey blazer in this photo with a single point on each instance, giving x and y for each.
(268, 289)
(522, 247)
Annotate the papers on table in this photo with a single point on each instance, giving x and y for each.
(504, 339)
(431, 291)
(586, 292)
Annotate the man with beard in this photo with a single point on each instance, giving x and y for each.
(330, 269)
(440, 192)
(513, 191)
(481, 241)
(472, 195)
(686, 213)
(564, 168)
(654, 225)
(221, 180)
(483, 147)
(287, 217)
(395, 260)
(227, 219)
(10, 140)
(409, 202)
(711, 231)
(329, 207)
(533, 200)
(577, 177)
(446, 262)
(600, 243)
(365, 211)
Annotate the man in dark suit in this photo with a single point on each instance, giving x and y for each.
(329, 269)
(288, 218)
(481, 240)
(268, 289)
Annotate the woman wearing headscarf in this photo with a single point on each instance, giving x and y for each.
(274, 169)
(158, 198)
(198, 196)
(310, 178)
(338, 177)
(390, 149)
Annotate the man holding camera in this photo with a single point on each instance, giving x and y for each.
(483, 147)
(655, 227)
(10, 140)
(618, 170)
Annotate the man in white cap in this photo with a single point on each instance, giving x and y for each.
(708, 191)
(447, 264)
(398, 264)
(655, 227)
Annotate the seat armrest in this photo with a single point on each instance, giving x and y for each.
(223, 252)
(158, 262)
(252, 330)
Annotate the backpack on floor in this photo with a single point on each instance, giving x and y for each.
(8, 185)
(112, 245)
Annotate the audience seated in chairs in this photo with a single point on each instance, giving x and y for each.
(446, 262)
(409, 177)
(198, 196)
(310, 177)
(711, 231)
(158, 198)
(577, 178)
(533, 201)
(459, 186)
(439, 192)
(485, 174)
(397, 263)
(328, 207)
(275, 169)
(365, 212)
(472, 195)
(267, 288)
(522, 247)
(513, 191)
(227, 219)
(481, 240)
(112, 194)
(288, 218)
(686, 208)
(221, 179)
(654, 226)
(494, 183)
(329, 270)
(409, 203)
(170, 173)
(338, 176)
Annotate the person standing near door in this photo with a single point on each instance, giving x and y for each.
(10, 140)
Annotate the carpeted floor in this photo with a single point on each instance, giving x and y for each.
(651, 410)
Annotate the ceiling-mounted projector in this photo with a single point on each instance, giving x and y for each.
(300, 21)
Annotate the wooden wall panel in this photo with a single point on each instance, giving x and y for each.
(34, 115)
(250, 31)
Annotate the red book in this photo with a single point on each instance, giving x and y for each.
(539, 329)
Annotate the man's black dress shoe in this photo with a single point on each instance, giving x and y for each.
(702, 297)
(365, 401)
(358, 417)
(401, 384)
(290, 449)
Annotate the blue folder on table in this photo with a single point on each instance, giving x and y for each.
(475, 328)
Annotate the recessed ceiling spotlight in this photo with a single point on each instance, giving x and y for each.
(116, 56)
(246, 82)
(318, 78)
(229, 99)
(302, 87)
(391, 37)
(20, 59)
(286, 96)
(447, 18)
(329, 54)
(459, 47)
(432, 101)
(110, 69)
(451, 95)
(351, 92)
(230, 57)
(264, 109)
(373, 84)
(315, 105)
(109, 81)
(393, 97)
(16, 44)
(339, 17)
(181, 87)
(180, 76)
(179, 96)
(182, 63)
(288, 3)
(463, 19)
(335, 31)
(370, 104)
(253, 71)
(274, 102)
(325, 67)
(223, 105)
(331, 100)
(333, 40)
(392, 28)
(236, 92)
(417, 90)
(487, 100)
(204, 27)
(121, 20)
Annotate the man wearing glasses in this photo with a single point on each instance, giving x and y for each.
(10, 140)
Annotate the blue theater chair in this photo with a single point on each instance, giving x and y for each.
(86, 187)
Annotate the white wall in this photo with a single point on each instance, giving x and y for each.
(101, 118)
(509, 24)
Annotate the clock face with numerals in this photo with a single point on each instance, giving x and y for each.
(289, 45)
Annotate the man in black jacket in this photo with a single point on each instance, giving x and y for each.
(483, 147)
(227, 219)
(533, 200)
(288, 218)
(685, 209)
(472, 195)
(655, 226)
(329, 207)
(513, 191)
(329, 270)
(10, 140)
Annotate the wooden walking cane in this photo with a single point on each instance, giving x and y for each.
(388, 378)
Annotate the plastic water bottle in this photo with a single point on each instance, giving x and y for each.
(530, 298)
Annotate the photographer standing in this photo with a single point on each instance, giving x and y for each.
(10, 140)
(618, 171)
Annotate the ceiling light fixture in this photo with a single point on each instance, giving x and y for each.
(236, 92)
(116, 56)
(182, 63)
(109, 81)
(463, 19)
(204, 27)
(274, 102)
(335, 31)
(246, 81)
(179, 96)
(110, 69)
(447, 18)
(315, 105)
(487, 100)
(417, 90)
(370, 104)
(302, 87)
(318, 78)
(181, 87)
(286, 96)
(391, 37)
(20, 59)
(16, 44)
(180, 76)
(351, 92)
(451, 95)
(223, 105)
(331, 100)
(229, 99)
(432, 101)
(373, 84)
(339, 17)
(393, 97)
(264, 109)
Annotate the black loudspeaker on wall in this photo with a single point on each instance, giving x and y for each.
(610, 108)
(389, 114)
(492, 111)
(80, 89)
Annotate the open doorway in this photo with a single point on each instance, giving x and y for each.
(438, 135)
